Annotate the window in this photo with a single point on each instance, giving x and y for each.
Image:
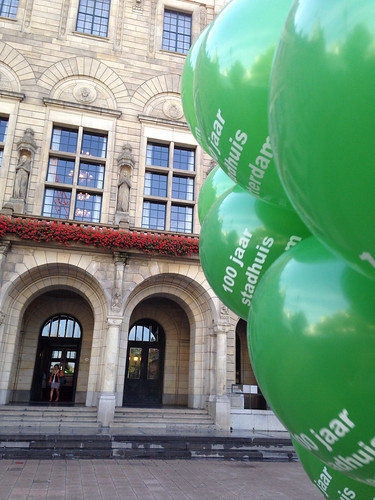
(8, 8)
(176, 32)
(168, 202)
(62, 326)
(3, 133)
(75, 174)
(93, 17)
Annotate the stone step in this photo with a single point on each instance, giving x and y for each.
(150, 446)
(171, 410)
(170, 418)
(163, 417)
(29, 416)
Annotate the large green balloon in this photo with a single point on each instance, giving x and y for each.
(332, 484)
(240, 238)
(216, 184)
(231, 87)
(187, 81)
(311, 334)
(322, 122)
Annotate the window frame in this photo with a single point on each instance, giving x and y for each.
(12, 8)
(168, 201)
(93, 17)
(4, 118)
(178, 13)
(76, 158)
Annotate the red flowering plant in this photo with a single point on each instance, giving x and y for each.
(105, 238)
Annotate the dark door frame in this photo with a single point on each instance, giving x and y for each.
(145, 391)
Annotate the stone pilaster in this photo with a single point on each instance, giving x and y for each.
(220, 403)
(107, 397)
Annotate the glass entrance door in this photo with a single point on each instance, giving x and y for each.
(66, 358)
(145, 364)
(59, 344)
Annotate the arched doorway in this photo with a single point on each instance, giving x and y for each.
(59, 343)
(145, 364)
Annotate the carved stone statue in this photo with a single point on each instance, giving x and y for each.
(22, 177)
(125, 162)
(26, 147)
(123, 193)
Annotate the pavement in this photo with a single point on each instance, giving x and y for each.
(153, 479)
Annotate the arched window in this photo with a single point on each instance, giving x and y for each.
(62, 326)
(144, 331)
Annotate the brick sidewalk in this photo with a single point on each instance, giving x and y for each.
(153, 479)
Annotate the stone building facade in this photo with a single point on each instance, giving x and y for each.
(92, 133)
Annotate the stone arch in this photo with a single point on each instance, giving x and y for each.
(200, 310)
(27, 287)
(85, 67)
(188, 293)
(162, 84)
(16, 65)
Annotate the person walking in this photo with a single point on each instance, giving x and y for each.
(54, 381)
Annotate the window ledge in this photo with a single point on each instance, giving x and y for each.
(6, 18)
(13, 95)
(163, 121)
(173, 53)
(90, 35)
(85, 107)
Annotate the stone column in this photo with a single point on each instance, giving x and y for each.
(220, 405)
(4, 249)
(107, 398)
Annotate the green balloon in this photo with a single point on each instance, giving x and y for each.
(322, 120)
(240, 238)
(216, 184)
(231, 87)
(311, 336)
(187, 80)
(332, 484)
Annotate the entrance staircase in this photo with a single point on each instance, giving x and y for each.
(163, 419)
(72, 432)
(47, 419)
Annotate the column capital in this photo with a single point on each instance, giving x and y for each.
(113, 321)
(120, 257)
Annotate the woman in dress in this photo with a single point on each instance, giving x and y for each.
(54, 381)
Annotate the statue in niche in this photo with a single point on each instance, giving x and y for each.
(26, 147)
(126, 162)
(22, 177)
(123, 193)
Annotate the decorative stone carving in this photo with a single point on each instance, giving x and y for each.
(173, 109)
(64, 17)
(5, 81)
(224, 312)
(125, 162)
(116, 300)
(84, 93)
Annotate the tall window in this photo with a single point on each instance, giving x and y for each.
(93, 17)
(75, 176)
(3, 133)
(176, 31)
(169, 188)
(8, 8)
